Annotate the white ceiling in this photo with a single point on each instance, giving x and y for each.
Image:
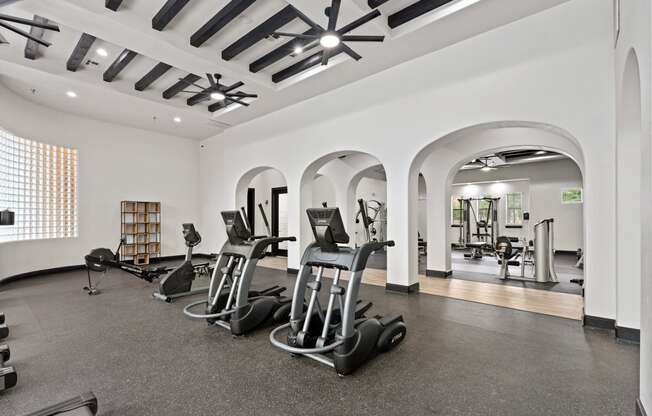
(45, 80)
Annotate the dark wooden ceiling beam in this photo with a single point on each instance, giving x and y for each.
(413, 11)
(31, 47)
(154, 74)
(221, 19)
(281, 52)
(302, 65)
(280, 19)
(376, 3)
(79, 53)
(112, 4)
(118, 65)
(169, 10)
(180, 86)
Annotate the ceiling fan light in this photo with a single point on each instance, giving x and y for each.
(298, 50)
(329, 40)
(217, 96)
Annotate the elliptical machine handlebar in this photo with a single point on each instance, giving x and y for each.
(361, 257)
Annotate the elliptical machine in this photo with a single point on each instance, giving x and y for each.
(231, 303)
(179, 282)
(351, 340)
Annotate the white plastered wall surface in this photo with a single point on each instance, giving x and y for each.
(634, 48)
(541, 69)
(115, 163)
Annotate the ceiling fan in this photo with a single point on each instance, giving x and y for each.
(486, 166)
(330, 38)
(19, 20)
(217, 91)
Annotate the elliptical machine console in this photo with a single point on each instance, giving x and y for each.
(352, 340)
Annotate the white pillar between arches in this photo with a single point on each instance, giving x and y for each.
(402, 217)
(438, 221)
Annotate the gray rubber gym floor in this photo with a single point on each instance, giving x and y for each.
(143, 357)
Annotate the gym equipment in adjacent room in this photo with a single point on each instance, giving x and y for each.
(101, 260)
(231, 303)
(82, 405)
(179, 282)
(7, 217)
(542, 260)
(8, 376)
(353, 340)
(374, 219)
(486, 225)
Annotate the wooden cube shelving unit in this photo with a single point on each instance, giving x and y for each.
(140, 227)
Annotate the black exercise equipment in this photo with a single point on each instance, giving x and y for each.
(180, 280)
(82, 405)
(354, 339)
(4, 331)
(101, 260)
(8, 376)
(7, 217)
(486, 229)
(2, 318)
(231, 303)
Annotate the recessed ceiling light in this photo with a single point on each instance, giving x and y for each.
(486, 169)
(71, 94)
(177, 119)
(541, 152)
(102, 52)
(329, 40)
(298, 50)
(217, 96)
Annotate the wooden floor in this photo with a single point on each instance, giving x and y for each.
(524, 299)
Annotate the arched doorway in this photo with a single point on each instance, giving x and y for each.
(262, 194)
(340, 179)
(439, 164)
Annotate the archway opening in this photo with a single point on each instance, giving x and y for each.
(472, 189)
(511, 194)
(354, 182)
(261, 196)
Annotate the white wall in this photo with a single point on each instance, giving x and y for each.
(115, 163)
(542, 197)
(323, 191)
(486, 79)
(635, 36)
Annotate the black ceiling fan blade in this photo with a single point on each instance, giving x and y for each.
(233, 100)
(232, 87)
(192, 92)
(362, 38)
(242, 95)
(295, 35)
(325, 56)
(359, 22)
(24, 34)
(29, 22)
(211, 80)
(333, 13)
(353, 54)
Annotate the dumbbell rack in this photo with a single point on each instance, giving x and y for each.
(8, 376)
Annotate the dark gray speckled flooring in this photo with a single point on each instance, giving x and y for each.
(143, 357)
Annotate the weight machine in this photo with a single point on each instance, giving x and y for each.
(373, 215)
(487, 227)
